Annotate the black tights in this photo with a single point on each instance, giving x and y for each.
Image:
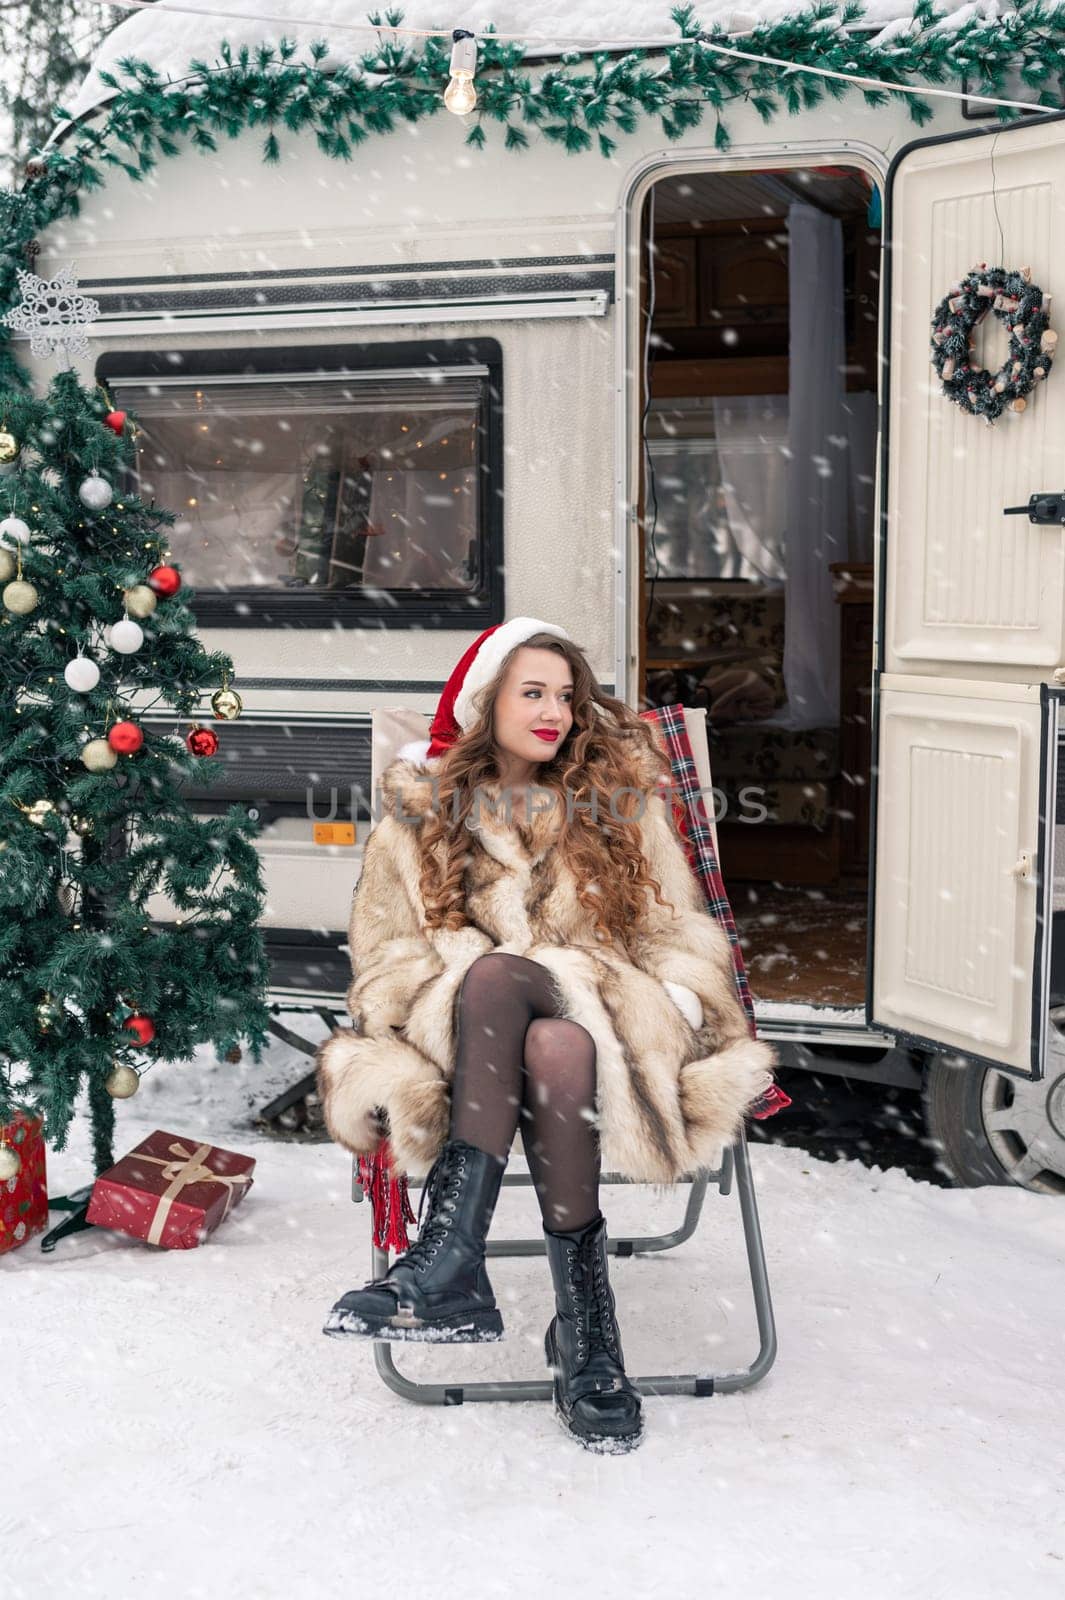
(518, 1058)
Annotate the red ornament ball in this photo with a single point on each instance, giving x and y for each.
(202, 741)
(143, 1028)
(116, 421)
(165, 581)
(126, 738)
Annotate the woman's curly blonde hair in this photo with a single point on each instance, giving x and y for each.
(604, 753)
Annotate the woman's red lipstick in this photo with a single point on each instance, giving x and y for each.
(546, 733)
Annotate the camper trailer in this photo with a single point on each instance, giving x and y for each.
(680, 401)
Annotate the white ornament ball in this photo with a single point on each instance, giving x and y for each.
(95, 493)
(14, 531)
(98, 756)
(81, 674)
(141, 601)
(20, 597)
(10, 1165)
(125, 637)
(121, 1082)
(7, 565)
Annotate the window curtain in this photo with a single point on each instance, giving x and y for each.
(818, 476)
(422, 530)
(751, 432)
(239, 534)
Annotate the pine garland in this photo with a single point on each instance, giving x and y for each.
(151, 116)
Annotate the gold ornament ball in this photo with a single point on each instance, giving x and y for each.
(47, 1013)
(227, 704)
(98, 756)
(7, 565)
(122, 1082)
(10, 1165)
(39, 810)
(20, 597)
(82, 826)
(141, 601)
(9, 451)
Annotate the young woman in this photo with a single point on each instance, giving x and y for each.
(531, 950)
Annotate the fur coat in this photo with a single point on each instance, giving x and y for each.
(668, 1094)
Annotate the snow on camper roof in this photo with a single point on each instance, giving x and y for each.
(169, 38)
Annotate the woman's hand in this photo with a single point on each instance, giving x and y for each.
(686, 1001)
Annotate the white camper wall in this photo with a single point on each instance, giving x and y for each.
(558, 398)
(407, 198)
(419, 197)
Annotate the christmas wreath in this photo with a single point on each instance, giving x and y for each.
(1022, 306)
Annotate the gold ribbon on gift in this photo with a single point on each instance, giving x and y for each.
(187, 1168)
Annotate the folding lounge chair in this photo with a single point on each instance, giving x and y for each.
(682, 731)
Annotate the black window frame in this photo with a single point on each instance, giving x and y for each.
(262, 607)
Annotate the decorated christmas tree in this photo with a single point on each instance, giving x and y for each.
(128, 924)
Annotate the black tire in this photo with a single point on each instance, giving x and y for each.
(1025, 1147)
(952, 1096)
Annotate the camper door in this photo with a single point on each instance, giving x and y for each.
(972, 619)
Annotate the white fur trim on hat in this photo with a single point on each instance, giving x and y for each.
(417, 750)
(490, 657)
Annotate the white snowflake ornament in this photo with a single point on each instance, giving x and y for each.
(54, 313)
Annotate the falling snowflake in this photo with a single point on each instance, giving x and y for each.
(53, 313)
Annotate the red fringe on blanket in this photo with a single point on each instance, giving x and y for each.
(389, 1197)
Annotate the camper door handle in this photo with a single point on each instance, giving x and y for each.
(1044, 509)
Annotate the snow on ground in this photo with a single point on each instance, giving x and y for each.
(174, 32)
(176, 1423)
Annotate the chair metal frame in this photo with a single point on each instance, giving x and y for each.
(735, 1162)
(404, 724)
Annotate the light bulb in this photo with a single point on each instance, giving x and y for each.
(460, 96)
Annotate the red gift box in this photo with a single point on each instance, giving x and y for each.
(23, 1198)
(170, 1191)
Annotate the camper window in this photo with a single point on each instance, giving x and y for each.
(306, 495)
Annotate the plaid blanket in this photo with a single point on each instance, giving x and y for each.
(695, 831)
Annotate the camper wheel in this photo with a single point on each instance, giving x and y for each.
(991, 1127)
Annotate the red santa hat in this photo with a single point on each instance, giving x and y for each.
(455, 711)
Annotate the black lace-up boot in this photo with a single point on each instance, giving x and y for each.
(438, 1290)
(594, 1400)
